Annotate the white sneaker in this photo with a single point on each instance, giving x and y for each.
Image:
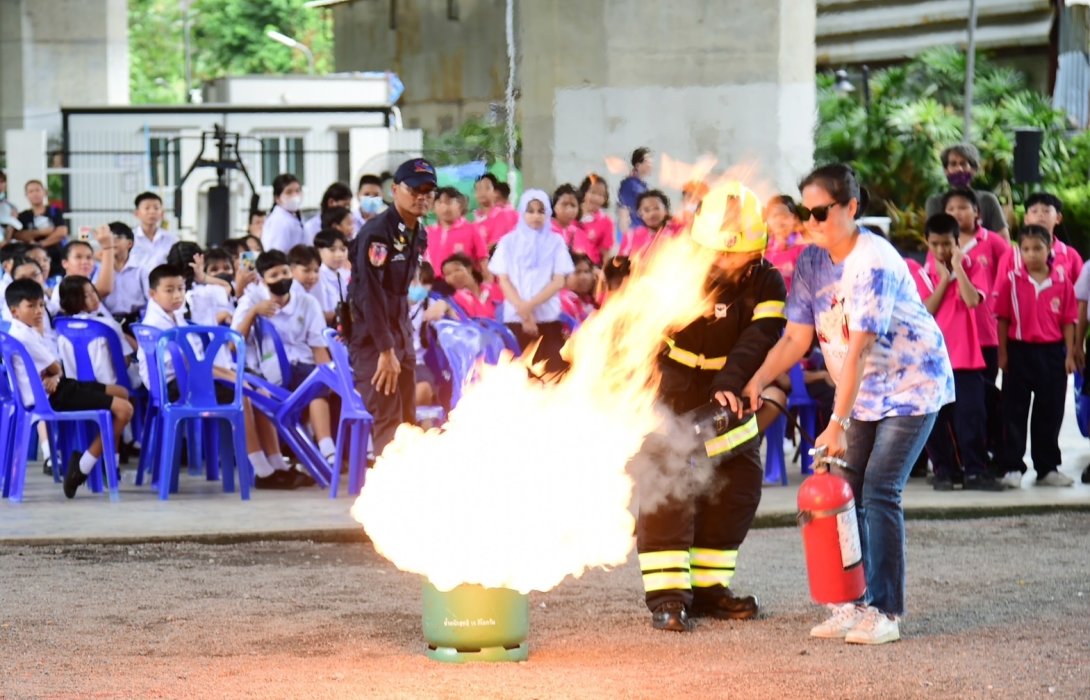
(875, 628)
(843, 619)
(1055, 478)
(1012, 480)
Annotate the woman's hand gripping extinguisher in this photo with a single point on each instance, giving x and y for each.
(830, 534)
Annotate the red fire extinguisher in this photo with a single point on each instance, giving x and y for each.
(830, 535)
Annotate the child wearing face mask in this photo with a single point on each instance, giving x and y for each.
(422, 311)
(283, 229)
(531, 264)
(371, 203)
(299, 322)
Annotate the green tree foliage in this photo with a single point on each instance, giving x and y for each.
(475, 139)
(228, 38)
(917, 110)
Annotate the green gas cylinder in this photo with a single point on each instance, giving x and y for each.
(474, 623)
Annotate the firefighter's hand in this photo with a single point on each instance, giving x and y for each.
(385, 379)
(833, 440)
(727, 399)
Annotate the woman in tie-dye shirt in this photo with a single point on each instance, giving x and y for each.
(892, 373)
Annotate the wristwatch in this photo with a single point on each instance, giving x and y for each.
(842, 422)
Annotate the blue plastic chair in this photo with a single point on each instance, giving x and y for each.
(460, 344)
(285, 408)
(805, 408)
(509, 340)
(569, 323)
(7, 428)
(1082, 407)
(775, 462)
(194, 374)
(36, 407)
(196, 402)
(356, 422)
(264, 329)
(81, 333)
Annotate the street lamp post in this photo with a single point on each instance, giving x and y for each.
(292, 43)
(845, 86)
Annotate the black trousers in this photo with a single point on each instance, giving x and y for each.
(993, 403)
(552, 340)
(1034, 371)
(714, 516)
(957, 442)
(388, 410)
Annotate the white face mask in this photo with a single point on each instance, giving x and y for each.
(292, 204)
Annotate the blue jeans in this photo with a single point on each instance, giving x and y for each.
(880, 456)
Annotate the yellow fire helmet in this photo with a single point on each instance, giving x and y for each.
(729, 220)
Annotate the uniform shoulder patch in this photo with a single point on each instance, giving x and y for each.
(376, 253)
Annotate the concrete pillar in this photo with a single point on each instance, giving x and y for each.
(26, 161)
(61, 52)
(732, 78)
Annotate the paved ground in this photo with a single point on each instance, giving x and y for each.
(999, 608)
(201, 510)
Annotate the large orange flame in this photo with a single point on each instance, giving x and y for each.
(526, 482)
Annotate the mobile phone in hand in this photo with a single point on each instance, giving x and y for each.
(249, 259)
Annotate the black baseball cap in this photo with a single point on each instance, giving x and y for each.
(415, 172)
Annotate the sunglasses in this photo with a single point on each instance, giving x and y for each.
(820, 214)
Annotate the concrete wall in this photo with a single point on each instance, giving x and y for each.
(452, 69)
(731, 78)
(597, 78)
(60, 52)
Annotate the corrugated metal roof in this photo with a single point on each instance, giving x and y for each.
(868, 31)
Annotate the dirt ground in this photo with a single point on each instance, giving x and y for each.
(999, 608)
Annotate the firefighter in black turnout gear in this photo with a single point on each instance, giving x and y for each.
(385, 257)
(688, 544)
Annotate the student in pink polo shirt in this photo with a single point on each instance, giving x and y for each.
(600, 229)
(1036, 307)
(1046, 210)
(476, 297)
(577, 297)
(565, 221)
(453, 234)
(951, 286)
(498, 218)
(990, 251)
(785, 238)
(653, 207)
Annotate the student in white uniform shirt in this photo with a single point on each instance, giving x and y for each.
(152, 243)
(26, 301)
(130, 292)
(80, 300)
(335, 272)
(305, 264)
(79, 259)
(283, 229)
(299, 322)
(336, 196)
(165, 311)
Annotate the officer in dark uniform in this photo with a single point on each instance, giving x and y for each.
(688, 545)
(385, 256)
